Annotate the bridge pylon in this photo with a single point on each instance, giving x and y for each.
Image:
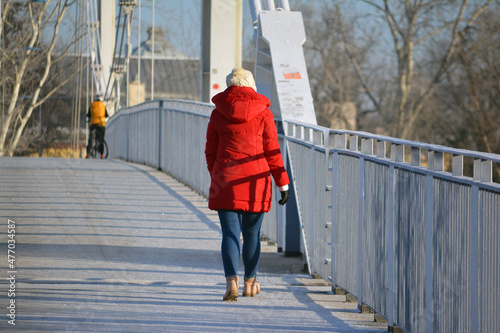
(109, 60)
(280, 66)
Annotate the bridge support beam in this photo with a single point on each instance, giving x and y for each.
(281, 75)
(221, 44)
(107, 37)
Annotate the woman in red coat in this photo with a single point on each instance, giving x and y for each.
(242, 153)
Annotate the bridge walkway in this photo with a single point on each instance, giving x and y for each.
(110, 246)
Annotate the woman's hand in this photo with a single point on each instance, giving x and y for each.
(284, 197)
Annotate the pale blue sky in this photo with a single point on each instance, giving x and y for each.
(181, 22)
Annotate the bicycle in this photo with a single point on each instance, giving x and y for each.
(96, 140)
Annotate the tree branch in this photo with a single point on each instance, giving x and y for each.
(446, 61)
(355, 63)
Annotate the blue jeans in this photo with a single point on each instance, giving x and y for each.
(234, 222)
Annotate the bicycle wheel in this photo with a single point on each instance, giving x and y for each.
(105, 149)
(94, 150)
(99, 144)
(94, 153)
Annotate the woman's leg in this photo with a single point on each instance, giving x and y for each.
(230, 222)
(251, 224)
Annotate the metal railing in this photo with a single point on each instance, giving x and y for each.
(394, 222)
(169, 135)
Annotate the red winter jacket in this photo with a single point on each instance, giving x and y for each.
(242, 152)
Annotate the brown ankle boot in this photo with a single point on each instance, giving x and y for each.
(251, 287)
(231, 289)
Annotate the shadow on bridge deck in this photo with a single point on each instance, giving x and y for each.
(118, 247)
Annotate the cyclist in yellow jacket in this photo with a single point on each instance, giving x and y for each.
(97, 118)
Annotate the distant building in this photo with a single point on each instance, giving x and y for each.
(162, 48)
(175, 75)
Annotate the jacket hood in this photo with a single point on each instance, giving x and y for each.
(240, 104)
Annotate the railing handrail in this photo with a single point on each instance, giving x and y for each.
(434, 147)
(327, 131)
(165, 104)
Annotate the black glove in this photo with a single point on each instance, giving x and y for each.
(284, 197)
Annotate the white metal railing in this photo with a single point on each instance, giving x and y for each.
(381, 217)
(417, 244)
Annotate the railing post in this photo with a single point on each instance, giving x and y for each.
(483, 170)
(397, 153)
(457, 165)
(307, 134)
(360, 229)
(313, 217)
(128, 136)
(160, 108)
(289, 129)
(429, 313)
(367, 146)
(335, 188)
(381, 149)
(318, 138)
(415, 156)
(390, 248)
(438, 161)
(353, 143)
(340, 141)
(474, 258)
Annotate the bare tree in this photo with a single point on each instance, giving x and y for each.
(334, 85)
(470, 94)
(27, 61)
(418, 27)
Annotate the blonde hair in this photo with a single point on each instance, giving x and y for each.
(241, 77)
